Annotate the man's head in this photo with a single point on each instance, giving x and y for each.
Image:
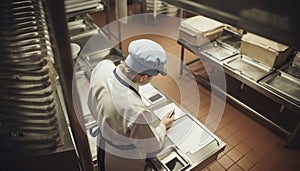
(146, 57)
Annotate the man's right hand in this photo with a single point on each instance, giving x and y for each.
(167, 121)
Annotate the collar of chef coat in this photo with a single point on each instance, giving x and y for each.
(128, 81)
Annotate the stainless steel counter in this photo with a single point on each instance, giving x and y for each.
(254, 82)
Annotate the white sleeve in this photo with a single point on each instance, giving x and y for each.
(160, 132)
(145, 137)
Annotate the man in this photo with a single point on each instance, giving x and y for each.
(124, 121)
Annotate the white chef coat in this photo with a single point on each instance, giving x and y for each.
(123, 119)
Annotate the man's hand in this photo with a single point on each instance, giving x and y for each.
(167, 120)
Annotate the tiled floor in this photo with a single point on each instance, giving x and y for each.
(249, 145)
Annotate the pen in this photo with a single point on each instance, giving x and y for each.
(172, 113)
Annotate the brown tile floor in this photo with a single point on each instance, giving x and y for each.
(249, 145)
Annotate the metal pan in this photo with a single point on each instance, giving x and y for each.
(27, 42)
(23, 78)
(11, 20)
(26, 66)
(19, 25)
(29, 127)
(40, 72)
(22, 107)
(24, 49)
(292, 69)
(18, 9)
(12, 4)
(33, 114)
(284, 84)
(25, 56)
(31, 121)
(23, 30)
(28, 101)
(15, 88)
(218, 51)
(20, 17)
(17, 37)
(32, 65)
(26, 136)
(34, 94)
(8, 117)
(247, 67)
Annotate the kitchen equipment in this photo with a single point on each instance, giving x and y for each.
(28, 119)
(217, 50)
(283, 84)
(172, 159)
(247, 67)
(292, 69)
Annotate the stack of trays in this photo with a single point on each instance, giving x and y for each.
(156, 6)
(200, 30)
(81, 5)
(27, 102)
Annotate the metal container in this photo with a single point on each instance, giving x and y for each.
(247, 67)
(218, 51)
(283, 84)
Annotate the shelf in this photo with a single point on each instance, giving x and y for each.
(274, 20)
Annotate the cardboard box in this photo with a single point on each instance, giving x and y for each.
(199, 30)
(265, 51)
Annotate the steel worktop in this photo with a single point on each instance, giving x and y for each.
(243, 76)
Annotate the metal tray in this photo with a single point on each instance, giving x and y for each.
(173, 159)
(293, 69)
(247, 67)
(231, 40)
(284, 84)
(217, 51)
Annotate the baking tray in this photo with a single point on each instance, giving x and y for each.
(217, 50)
(284, 84)
(247, 67)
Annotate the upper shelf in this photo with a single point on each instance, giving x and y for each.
(276, 20)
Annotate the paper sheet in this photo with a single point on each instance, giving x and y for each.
(189, 136)
(168, 108)
(150, 95)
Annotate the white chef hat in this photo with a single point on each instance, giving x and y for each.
(146, 57)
